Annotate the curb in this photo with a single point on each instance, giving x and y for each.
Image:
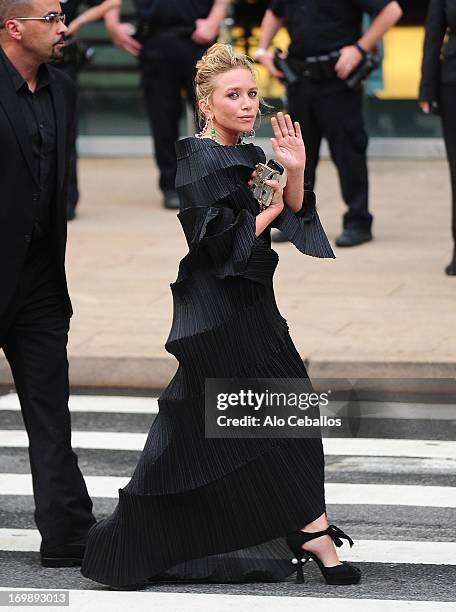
(155, 372)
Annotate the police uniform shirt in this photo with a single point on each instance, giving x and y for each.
(173, 12)
(317, 27)
(71, 7)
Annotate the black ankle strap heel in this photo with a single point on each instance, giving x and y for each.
(345, 573)
(300, 561)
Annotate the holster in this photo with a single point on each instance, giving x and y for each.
(316, 68)
(147, 29)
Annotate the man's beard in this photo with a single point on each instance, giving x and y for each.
(56, 53)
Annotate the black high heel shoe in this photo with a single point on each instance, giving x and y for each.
(345, 573)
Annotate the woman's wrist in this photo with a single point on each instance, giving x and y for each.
(295, 178)
(299, 170)
(272, 211)
(266, 217)
(294, 189)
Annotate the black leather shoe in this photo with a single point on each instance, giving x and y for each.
(278, 236)
(352, 237)
(170, 199)
(63, 556)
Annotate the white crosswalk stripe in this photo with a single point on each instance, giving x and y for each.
(105, 601)
(353, 457)
(149, 405)
(113, 440)
(336, 493)
(101, 440)
(371, 551)
(96, 403)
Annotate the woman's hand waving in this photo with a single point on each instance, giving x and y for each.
(287, 143)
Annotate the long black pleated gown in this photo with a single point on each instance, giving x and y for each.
(218, 509)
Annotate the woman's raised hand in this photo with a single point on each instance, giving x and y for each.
(287, 144)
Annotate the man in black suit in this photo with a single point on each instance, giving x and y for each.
(37, 107)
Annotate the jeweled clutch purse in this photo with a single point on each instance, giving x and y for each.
(271, 170)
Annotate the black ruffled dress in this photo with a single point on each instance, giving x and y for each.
(204, 509)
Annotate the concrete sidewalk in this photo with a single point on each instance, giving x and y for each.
(384, 309)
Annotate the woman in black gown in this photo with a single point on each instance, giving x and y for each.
(438, 87)
(225, 510)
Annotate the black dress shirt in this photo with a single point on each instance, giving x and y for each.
(38, 111)
(320, 26)
(173, 12)
(439, 59)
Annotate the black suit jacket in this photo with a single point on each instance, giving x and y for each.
(439, 63)
(19, 186)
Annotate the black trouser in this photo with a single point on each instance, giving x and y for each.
(167, 66)
(330, 109)
(73, 189)
(448, 115)
(33, 335)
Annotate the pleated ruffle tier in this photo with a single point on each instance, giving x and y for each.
(202, 509)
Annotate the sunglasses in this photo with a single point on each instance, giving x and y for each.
(49, 18)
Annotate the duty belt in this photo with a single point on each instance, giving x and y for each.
(316, 68)
(147, 29)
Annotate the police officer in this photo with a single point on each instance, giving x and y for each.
(72, 67)
(171, 37)
(438, 86)
(321, 100)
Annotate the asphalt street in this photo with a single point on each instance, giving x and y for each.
(392, 488)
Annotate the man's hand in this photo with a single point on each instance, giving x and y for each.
(349, 60)
(268, 61)
(205, 31)
(121, 35)
(73, 27)
(425, 107)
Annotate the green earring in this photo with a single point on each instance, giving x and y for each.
(213, 133)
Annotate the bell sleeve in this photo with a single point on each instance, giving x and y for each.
(304, 228)
(229, 242)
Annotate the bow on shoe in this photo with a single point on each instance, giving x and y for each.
(336, 535)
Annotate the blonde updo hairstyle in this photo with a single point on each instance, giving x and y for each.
(218, 59)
